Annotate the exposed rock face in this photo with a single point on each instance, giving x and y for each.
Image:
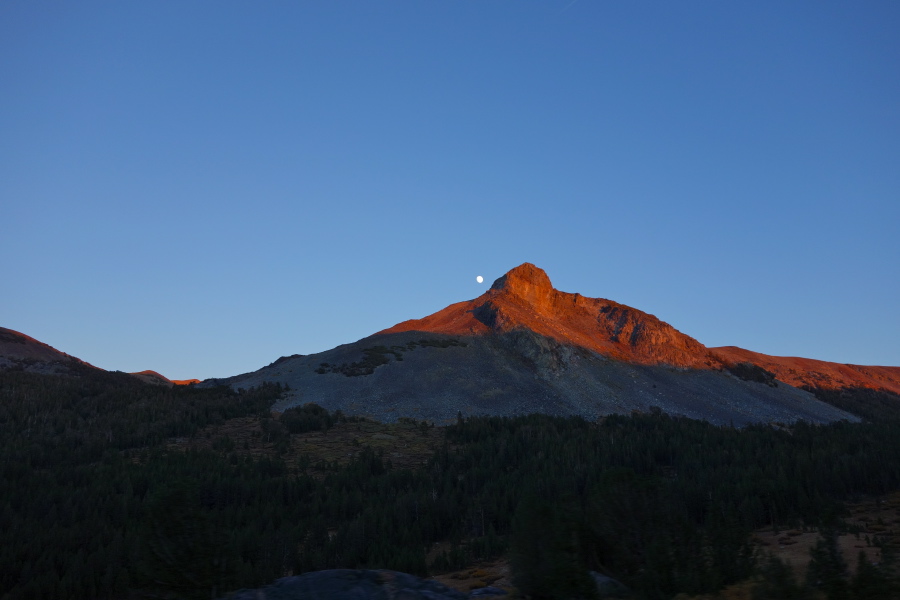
(608, 587)
(19, 351)
(524, 346)
(807, 372)
(352, 584)
(522, 372)
(355, 584)
(524, 298)
(529, 284)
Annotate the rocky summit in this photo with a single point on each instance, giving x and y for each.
(524, 299)
(525, 347)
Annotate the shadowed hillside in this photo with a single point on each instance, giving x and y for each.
(23, 353)
(120, 489)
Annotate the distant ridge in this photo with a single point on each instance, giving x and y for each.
(155, 378)
(24, 353)
(523, 347)
(819, 374)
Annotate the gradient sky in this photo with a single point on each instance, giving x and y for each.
(199, 188)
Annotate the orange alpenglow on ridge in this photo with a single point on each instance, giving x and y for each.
(149, 376)
(524, 298)
(803, 372)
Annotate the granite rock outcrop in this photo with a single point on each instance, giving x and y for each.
(525, 299)
(356, 584)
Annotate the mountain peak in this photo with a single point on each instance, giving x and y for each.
(528, 282)
(525, 274)
(524, 299)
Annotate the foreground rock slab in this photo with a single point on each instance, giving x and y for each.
(353, 584)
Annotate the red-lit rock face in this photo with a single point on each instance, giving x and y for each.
(529, 285)
(524, 298)
(802, 372)
(153, 377)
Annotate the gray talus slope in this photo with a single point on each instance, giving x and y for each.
(520, 372)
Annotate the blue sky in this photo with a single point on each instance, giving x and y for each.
(201, 187)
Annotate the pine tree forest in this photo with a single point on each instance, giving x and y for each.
(96, 503)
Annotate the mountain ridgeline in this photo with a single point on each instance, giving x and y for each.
(524, 347)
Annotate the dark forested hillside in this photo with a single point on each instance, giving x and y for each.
(95, 504)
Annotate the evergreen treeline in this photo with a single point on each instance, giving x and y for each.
(872, 405)
(93, 504)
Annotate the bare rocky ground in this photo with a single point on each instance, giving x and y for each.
(493, 573)
(360, 584)
(521, 372)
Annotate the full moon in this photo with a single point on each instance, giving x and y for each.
(479, 279)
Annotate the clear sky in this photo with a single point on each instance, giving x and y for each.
(199, 188)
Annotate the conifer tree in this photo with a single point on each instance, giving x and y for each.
(544, 554)
(777, 582)
(181, 554)
(827, 569)
(869, 582)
